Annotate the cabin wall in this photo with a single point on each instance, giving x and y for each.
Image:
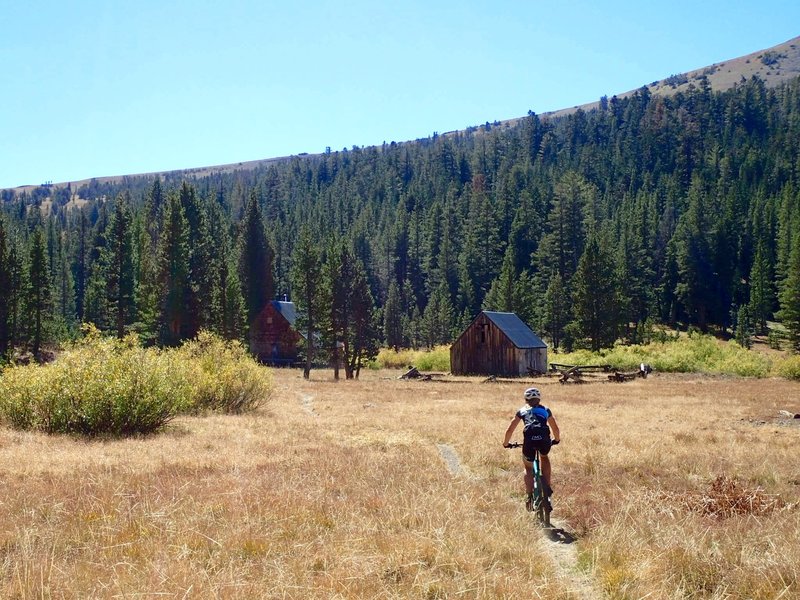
(532, 359)
(272, 338)
(484, 349)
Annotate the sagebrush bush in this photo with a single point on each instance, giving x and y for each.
(100, 386)
(224, 376)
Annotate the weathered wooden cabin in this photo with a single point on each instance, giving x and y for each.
(498, 343)
(273, 337)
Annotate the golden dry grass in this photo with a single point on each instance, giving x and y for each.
(344, 490)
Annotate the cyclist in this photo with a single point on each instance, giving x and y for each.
(538, 423)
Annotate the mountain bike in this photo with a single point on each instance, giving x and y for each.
(538, 501)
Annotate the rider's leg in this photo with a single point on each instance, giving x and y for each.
(528, 476)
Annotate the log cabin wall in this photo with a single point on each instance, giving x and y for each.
(273, 339)
(484, 349)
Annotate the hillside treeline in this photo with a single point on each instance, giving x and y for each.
(594, 227)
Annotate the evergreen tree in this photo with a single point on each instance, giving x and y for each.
(562, 245)
(79, 266)
(39, 297)
(501, 296)
(351, 329)
(5, 292)
(393, 317)
(334, 322)
(63, 287)
(16, 293)
(255, 261)
(200, 287)
(556, 312)
(146, 294)
(119, 268)
(744, 327)
(596, 294)
(95, 303)
(227, 306)
(307, 292)
(761, 295)
(789, 313)
(173, 274)
(361, 345)
(437, 320)
(696, 283)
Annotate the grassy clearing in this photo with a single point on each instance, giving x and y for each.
(355, 500)
(110, 386)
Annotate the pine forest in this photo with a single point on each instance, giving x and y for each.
(595, 227)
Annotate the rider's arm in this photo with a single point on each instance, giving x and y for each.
(551, 421)
(511, 427)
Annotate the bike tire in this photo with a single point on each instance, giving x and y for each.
(541, 507)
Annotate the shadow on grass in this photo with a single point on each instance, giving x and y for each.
(560, 536)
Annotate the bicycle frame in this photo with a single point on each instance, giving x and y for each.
(537, 500)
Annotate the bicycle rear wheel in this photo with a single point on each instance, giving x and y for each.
(540, 501)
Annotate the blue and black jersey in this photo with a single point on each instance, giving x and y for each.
(535, 420)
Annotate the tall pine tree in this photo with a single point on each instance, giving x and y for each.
(255, 261)
(307, 292)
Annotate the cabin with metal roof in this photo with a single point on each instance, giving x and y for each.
(498, 343)
(273, 336)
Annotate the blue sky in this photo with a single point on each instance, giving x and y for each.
(90, 89)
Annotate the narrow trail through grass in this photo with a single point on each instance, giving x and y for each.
(558, 543)
(562, 549)
(451, 459)
(308, 404)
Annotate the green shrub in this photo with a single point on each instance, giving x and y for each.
(100, 386)
(437, 359)
(696, 353)
(108, 386)
(224, 377)
(789, 368)
(394, 359)
(775, 339)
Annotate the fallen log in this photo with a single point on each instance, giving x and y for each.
(412, 373)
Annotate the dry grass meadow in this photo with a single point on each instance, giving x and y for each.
(670, 487)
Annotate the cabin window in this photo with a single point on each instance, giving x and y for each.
(482, 333)
(269, 320)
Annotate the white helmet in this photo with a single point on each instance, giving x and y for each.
(532, 394)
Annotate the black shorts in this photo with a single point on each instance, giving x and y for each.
(530, 446)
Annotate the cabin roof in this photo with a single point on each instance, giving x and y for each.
(515, 329)
(286, 309)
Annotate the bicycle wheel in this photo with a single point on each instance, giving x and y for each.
(540, 502)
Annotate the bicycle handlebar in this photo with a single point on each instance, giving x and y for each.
(519, 445)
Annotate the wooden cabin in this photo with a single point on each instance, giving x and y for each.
(498, 343)
(273, 337)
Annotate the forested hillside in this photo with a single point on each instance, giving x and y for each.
(682, 210)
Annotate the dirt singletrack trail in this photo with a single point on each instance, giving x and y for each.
(560, 546)
(557, 542)
(308, 404)
(451, 459)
